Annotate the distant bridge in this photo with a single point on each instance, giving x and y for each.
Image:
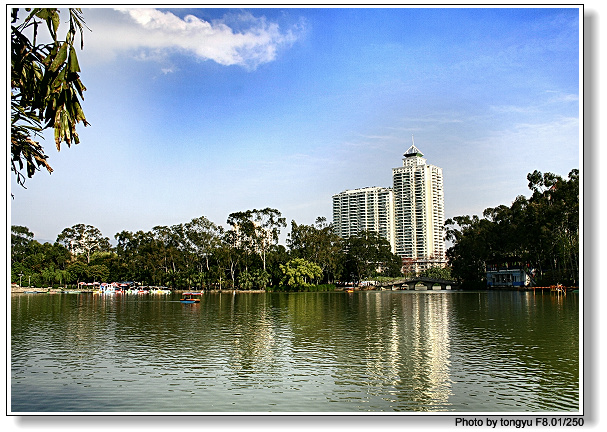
(409, 284)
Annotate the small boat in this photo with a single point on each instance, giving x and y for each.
(108, 288)
(160, 291)
(190, 297)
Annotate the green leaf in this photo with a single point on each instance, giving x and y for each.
(80, 87)
(42, 13)
(57, 136)
(60, 58)
(55, 19)
(51, 16)
(72, 63)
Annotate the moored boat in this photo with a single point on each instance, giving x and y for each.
(190, 297)
(160, 290)
(107, 288)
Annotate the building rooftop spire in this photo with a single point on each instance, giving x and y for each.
(413, 151)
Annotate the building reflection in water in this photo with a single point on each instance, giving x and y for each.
(400, 342)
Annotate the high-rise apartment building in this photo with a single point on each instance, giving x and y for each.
(410, 215)
(419, 210)
(364, 209)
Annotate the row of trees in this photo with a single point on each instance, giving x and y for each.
(200, 254)
(541, 233)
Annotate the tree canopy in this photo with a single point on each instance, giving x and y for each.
(84, 240)
(317, 244)
(540, 233)
(300, 273)
(367, 255)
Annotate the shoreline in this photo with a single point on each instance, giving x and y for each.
(24, 290)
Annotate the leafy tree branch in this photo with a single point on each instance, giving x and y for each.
(46, 90)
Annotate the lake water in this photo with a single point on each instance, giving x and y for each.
(376, 352)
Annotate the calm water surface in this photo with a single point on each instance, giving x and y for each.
(402, 351)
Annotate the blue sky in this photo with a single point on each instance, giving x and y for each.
(205, 112)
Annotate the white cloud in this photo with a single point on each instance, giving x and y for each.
(515, 109)
(558, 96)
(155, 34)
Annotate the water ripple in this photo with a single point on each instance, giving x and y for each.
(399, 352)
